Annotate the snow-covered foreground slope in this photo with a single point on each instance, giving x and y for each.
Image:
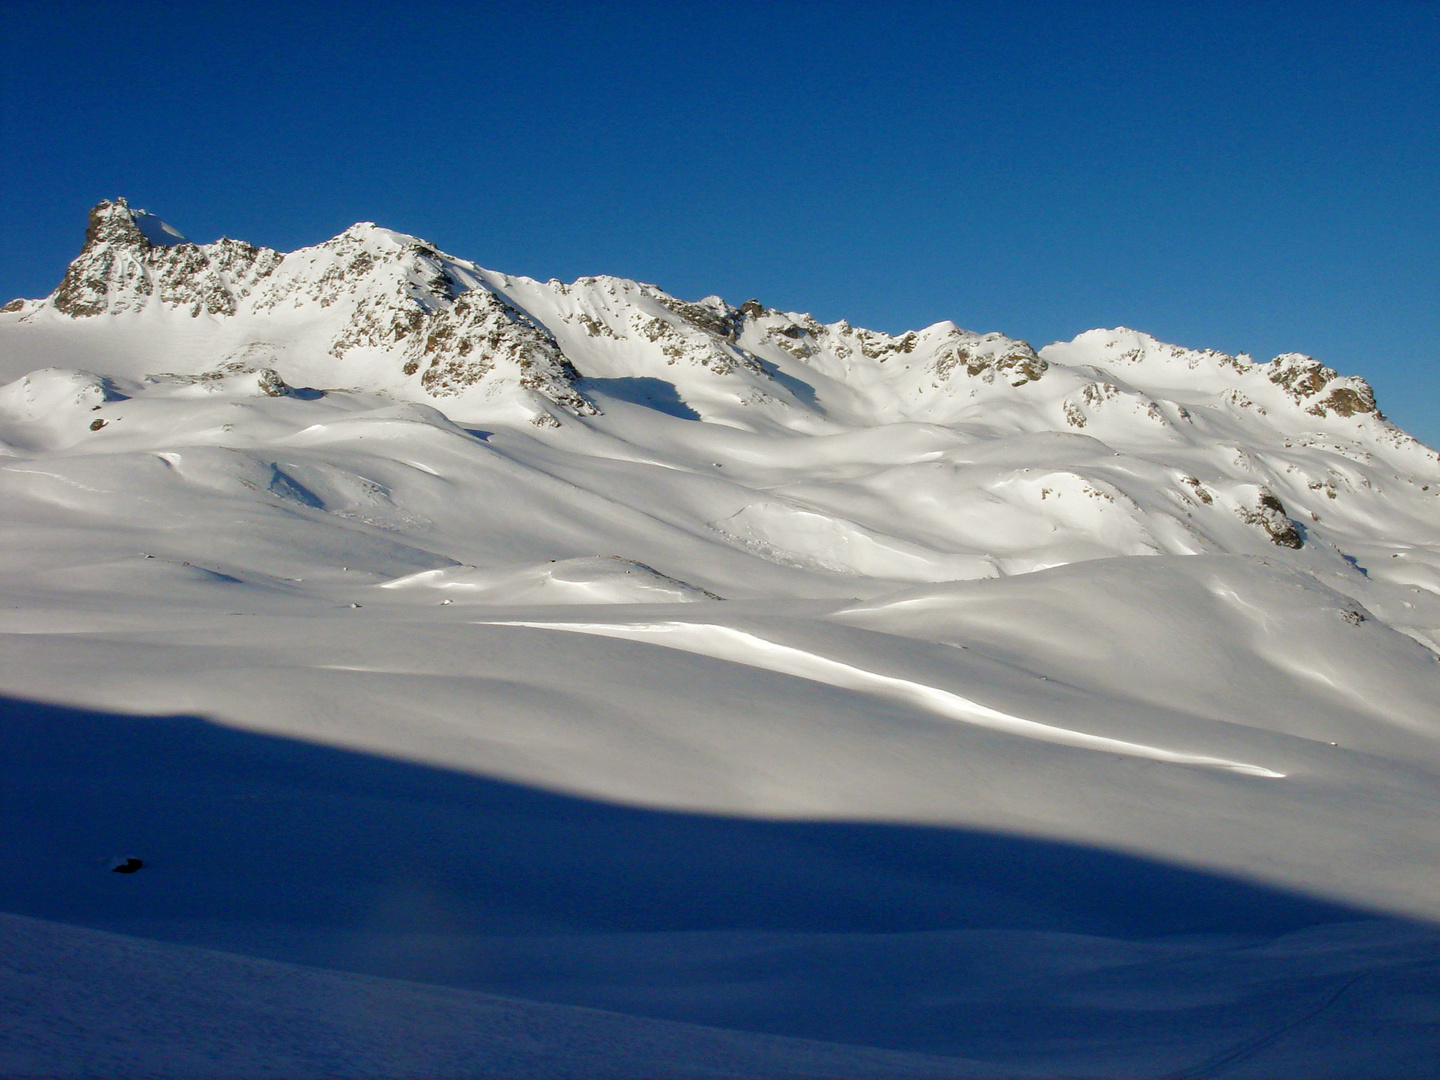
(806, 700)
(143, 1008)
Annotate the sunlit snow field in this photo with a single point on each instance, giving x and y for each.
(751, 698)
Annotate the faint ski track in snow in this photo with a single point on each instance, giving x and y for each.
(1221, 1062)
(737, 646)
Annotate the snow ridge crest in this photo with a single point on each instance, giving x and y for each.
(434, 326)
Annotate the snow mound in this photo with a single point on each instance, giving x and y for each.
(1225, 636)
(52, 408)
(742, 647)
(600, 579)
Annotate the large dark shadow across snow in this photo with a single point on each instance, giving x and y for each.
(237, 825)
(905, 936)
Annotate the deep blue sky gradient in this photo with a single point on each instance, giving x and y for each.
(1258, 177)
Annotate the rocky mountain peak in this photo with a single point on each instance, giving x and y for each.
(131, 256)
(113, 223)
(1320, 389)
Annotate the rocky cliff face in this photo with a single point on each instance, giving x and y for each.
(1321, 390)
(121, 269)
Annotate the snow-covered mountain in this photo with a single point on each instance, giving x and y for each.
(935, 455)
(1110, 600)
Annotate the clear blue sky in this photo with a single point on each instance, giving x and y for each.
(1258, 177)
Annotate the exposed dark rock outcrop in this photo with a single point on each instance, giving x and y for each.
(712, 315)
(1269, 514)
(1322, 390)
(989, 358)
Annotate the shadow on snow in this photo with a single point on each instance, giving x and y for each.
(274, 847)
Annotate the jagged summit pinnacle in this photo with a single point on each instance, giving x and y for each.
(131, 256)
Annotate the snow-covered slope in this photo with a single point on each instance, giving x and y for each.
(428, 525)
(936, 455)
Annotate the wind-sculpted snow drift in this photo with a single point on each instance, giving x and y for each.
(954, 637)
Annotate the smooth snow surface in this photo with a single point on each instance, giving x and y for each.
(599, 684)
(742, 648)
